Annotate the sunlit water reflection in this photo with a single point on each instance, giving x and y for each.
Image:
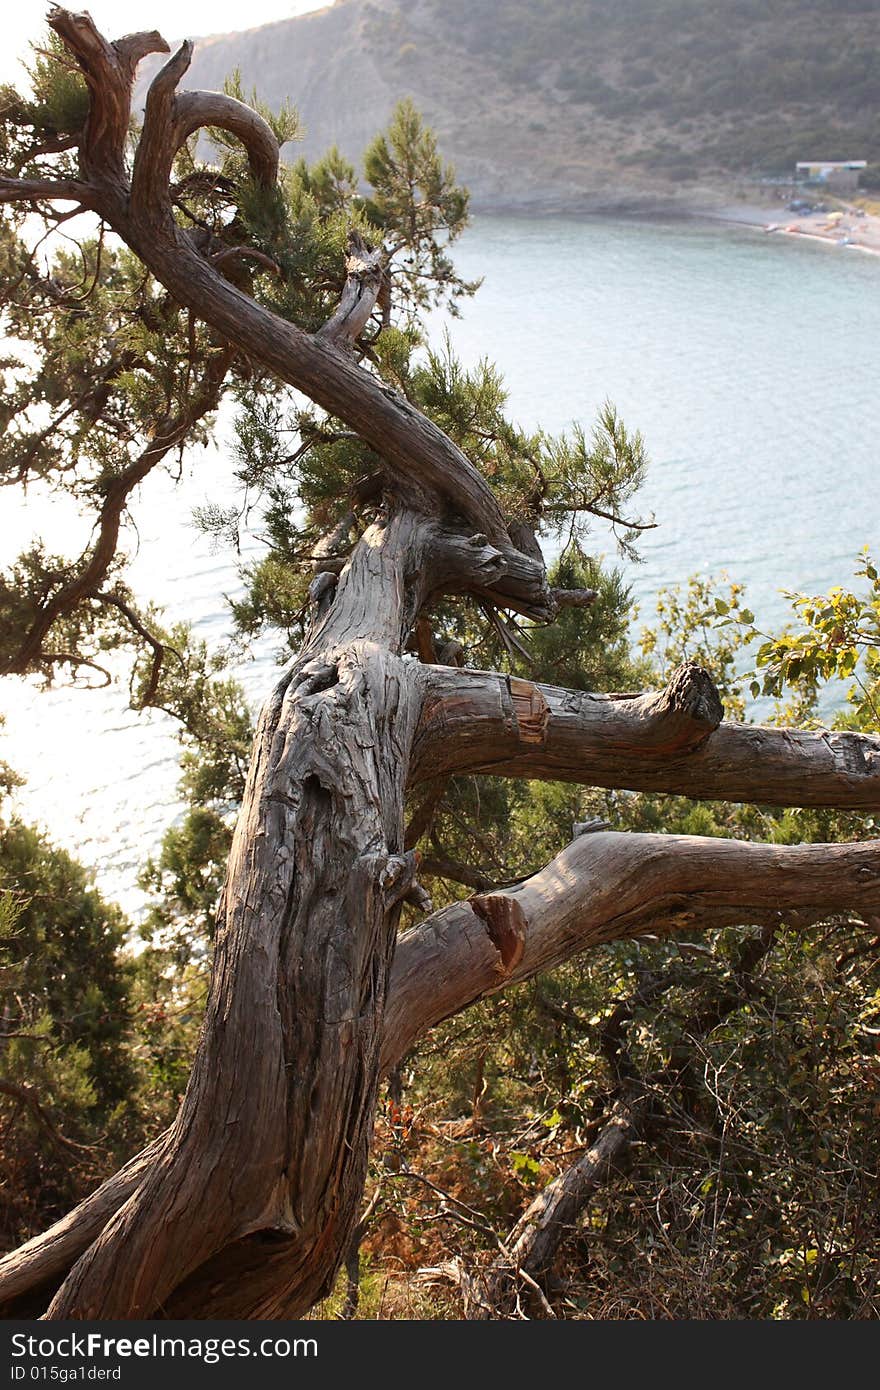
(750, 363)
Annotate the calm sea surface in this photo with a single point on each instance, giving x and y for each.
(750, 363)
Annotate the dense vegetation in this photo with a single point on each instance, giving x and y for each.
(752, 1189)
(748, 1057)
(686, 88)
(584, 103)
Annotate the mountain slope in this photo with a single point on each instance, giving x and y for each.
(579, 103)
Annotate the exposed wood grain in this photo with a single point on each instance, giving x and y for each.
(247, 1206)
(666, 742)
(607, 886)
(365, 270)
(602, 887)
(273, 1132)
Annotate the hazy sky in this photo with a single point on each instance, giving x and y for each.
(23, 20)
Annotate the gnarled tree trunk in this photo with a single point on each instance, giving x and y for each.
(245, 1208)
(267, 1158)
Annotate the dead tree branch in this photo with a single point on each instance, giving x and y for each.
(671, 741)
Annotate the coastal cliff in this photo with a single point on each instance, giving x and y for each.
(588, 105)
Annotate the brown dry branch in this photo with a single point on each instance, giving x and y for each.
(246, 1207)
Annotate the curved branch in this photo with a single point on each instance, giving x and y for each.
(601, 888)
(170, 118)
(109, 70)
(156, 647)
(131, 48)
(245, 253)
(672, 741)
(414, 448)
(605, 887)
(195, 110)
(74, 660)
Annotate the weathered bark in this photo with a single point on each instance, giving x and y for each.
(364, 279)
(602, 887)
(247, 1206)
(271, 1140)
(481, 722)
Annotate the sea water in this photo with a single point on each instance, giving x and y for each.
(749, 362)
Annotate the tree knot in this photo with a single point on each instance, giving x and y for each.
(506, 924)
(531, 711)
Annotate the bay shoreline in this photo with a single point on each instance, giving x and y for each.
(843, 227)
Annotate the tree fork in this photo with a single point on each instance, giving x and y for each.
(246, 1207)
(416, 451)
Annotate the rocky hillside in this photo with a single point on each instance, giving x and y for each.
(580, 103)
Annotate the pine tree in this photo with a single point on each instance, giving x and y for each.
(397, 497)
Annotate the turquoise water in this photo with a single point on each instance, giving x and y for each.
(750, 363)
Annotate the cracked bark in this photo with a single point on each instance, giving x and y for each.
(672, 741)
(250, 1204)
(246, 1207)
(602, 887)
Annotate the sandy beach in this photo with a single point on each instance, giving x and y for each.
(844, 226)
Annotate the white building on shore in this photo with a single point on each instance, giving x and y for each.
(837, 176)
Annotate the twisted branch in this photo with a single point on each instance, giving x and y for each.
(418, 454)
